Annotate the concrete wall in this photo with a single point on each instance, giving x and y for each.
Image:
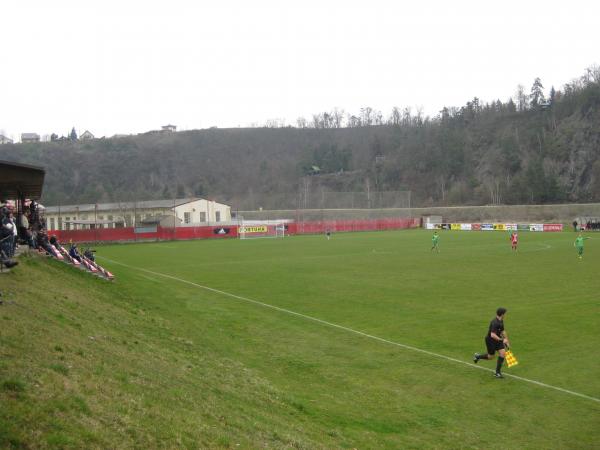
(514, 213)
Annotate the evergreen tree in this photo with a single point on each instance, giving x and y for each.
(73, 134)
(537, 93)
(552, 97)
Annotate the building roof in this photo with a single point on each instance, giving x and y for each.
(147, 204)
(21, 180)
(92, 222)
(30, 136)
(5, 138)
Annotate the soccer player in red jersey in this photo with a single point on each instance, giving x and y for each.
(514, 240)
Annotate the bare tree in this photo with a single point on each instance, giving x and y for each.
(317, 121)
(522, 98)
(406, 117)
(366, 116)
(592, 74)
(338, 117)
(419, 116)
(396, 116)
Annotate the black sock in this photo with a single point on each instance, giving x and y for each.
(499, 364)
(483, 356)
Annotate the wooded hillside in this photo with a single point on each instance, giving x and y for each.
(537, 148)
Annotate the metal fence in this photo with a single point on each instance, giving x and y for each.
(319, 198)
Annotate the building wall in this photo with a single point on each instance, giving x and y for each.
(52, 219)
(202, 212)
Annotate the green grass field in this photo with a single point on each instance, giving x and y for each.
(299, 343)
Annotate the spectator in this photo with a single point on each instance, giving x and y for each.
(6, 232)
(34, 217)
(89, 254)
(6, 261)
(24, 233)
(74, 253)
(13, 244)
(42, 242)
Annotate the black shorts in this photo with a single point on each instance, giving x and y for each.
(493, 345)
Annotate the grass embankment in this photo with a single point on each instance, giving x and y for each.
(83, 365)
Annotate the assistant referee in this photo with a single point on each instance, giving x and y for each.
(496, 340)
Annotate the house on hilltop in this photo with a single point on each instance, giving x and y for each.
(5, 140)
(86, 136)
(163, 129)
(30, 137)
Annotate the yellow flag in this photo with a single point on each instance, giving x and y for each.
(510, 359)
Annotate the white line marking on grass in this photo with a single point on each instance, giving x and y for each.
(154, 280)
(350, 330)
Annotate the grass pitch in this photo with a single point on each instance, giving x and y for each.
(195, 355)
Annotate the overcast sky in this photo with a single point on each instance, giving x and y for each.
(127, 67)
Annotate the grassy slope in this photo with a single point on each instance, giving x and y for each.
(84, 365)
(171, 364)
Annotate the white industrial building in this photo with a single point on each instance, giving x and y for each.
(177, 212)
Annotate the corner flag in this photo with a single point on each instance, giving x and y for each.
(510, 359)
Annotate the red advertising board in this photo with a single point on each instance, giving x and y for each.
(553, 227)
(228, 231)
(476, 227)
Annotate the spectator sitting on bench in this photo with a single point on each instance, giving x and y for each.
(54, 241)
(74, 253)
(42, 242)
(89, 254)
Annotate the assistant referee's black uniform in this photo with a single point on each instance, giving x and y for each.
(496, 327)
(494, 345)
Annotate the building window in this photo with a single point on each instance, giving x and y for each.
(127, 220)
(67, 224)
(52, 223)
(202, 216)
(187, 217)
(60, 223)
(110, 225)
(218, 216)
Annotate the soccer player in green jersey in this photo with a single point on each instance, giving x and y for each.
(434, 242)
(579, 244)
